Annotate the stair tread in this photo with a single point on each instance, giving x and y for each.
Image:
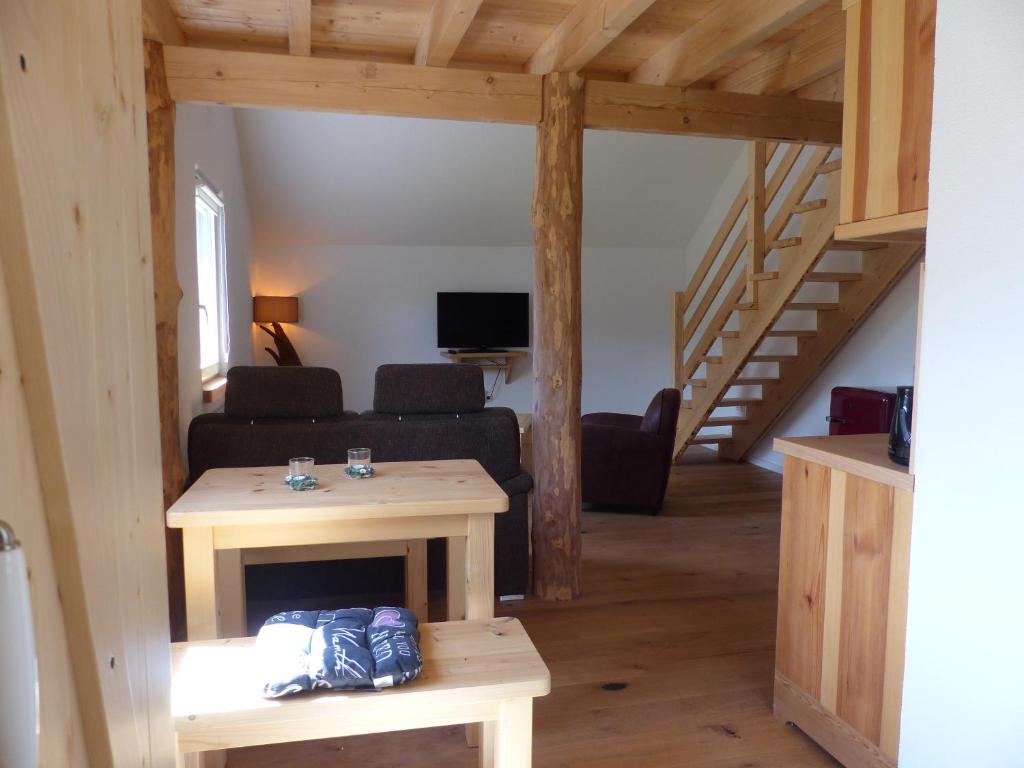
(725, 421)
(855, 245)
(697, 382)
(832, 277)
(753, 380)
(830, 167)
(728, 334)
(728, 402)
(764, 276)
(770, 358)
(821, 306)
(786, 242)
(707, 439)
(791, 334)
(744, 306)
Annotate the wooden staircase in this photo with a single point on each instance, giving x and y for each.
(733, 390)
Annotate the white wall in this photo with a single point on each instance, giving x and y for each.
(361, 306)
(963, 699)
(205, 138)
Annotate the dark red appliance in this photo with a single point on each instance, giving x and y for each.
(856, 411)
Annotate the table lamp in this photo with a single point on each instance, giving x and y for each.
(276, 310)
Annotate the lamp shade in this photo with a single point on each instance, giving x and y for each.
(275, 309)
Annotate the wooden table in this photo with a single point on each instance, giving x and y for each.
(230, 510)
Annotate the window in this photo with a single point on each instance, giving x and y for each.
(213, 306)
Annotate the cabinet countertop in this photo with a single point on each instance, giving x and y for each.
(862, 455)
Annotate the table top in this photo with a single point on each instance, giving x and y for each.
(258, 495)
(216, 683)
(862, 455)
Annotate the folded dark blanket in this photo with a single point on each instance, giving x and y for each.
(347, 649)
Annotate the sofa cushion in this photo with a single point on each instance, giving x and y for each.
(288, 392)
(428, 388)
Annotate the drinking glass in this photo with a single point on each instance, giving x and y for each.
(359, 463)
(300, 473)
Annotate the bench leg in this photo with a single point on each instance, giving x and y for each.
(416, 578)
(508, 741)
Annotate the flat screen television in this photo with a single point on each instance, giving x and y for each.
(484, 321)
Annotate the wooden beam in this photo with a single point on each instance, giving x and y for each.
(300, 27)
(444, 29)
(160, 24)
(663, 109)
(167, 294)
(557, 368)
(729, 29)
(813, 54)
(757, 159)
(584, 33)
(295, 82)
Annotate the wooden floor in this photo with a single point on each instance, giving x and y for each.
(665, 661)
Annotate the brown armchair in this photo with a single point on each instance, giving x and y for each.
(626, 459)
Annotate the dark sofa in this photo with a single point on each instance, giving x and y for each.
(421, 412)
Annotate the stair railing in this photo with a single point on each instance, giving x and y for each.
(730, 242)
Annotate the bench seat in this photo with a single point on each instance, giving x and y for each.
(484, 671)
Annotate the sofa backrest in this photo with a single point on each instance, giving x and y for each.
(428, 388)
(662, 414)
(288, 392)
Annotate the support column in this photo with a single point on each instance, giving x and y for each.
(160, 131)
(557, 370)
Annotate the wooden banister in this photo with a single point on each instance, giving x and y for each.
(757, 160)
(787, 209)
(689, 327)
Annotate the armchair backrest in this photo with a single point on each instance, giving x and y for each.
(662, 414)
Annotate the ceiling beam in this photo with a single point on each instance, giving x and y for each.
(696, 112)
(811, 55)
(159, 23)
(242, 79)
(300, 27)
(273, 80)
(729, 29)
(444, 29)
(584, 33)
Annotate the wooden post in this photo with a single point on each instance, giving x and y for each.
(557, 369)
(755, 214)
(160, 131)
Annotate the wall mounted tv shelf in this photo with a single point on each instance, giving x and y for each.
(489, 361)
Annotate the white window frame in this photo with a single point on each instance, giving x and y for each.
(213, 199)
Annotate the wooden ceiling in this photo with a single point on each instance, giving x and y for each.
(745, 46)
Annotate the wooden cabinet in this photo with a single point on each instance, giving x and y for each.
(887, 118)
(846, 514)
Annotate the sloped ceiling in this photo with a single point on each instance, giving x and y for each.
(326, 179)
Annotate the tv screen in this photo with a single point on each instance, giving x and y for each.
(483, 320)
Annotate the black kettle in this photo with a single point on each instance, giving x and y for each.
(899, 431)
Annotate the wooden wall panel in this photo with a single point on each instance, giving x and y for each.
(890, 60)
(80, 290)
(802, 573)
(867, 538)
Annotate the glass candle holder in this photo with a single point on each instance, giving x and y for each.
(359, 465)
(300, 474)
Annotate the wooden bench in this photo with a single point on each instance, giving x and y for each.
(483, 671)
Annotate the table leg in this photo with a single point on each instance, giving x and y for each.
(456, 578)
(513, 734)
(230, 593)
(416, 578)
(480, 567)
(200, 583)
